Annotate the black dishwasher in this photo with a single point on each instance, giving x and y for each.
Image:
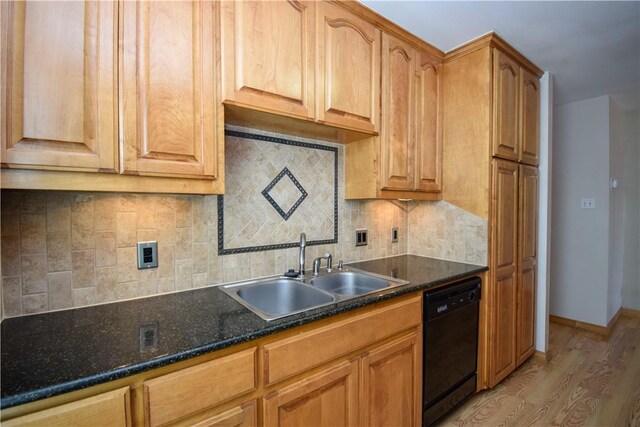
(450, 347)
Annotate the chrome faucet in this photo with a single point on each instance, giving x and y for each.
(318, 261)
(303, 245)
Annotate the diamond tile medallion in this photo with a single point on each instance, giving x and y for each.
(284, 192)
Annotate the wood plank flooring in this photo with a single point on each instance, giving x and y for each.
(589, 381)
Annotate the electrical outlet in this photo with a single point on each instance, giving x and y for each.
(394, 235)
(147, 255)
(588, 203)
(361, 237)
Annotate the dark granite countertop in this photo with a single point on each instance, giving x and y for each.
(48, 354)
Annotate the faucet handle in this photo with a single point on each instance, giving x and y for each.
(340, 265)
(329, 262)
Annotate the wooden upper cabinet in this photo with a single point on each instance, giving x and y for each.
(329, 398)
(506, 74)
(397, 151)
(168, 85)
(348, 70)
(429, 125)
(59, 88)
(529, 151)
(268, 55)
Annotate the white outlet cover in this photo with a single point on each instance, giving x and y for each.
(588, 203)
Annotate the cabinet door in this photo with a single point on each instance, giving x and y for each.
(241, 416)
(504, 261)
(168, 84)
(397, 145)
(106, 409)
(268, 55)
(506, 83)
(428, 125)
(349, 70)
(59, 98)
(329, 398)
(391, 384)
(527, 253)
(530, 118)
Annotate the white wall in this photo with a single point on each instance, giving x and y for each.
(544, 213)
(616, 199)
(579, 271)
(631, 210)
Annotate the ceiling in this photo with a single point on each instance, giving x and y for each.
(592, 48)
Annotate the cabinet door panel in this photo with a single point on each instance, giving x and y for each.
(168, 84)
(349, 70)
(429, 126)
(530, 118)
(329, 398)
(391, 384)
(504, 260)
(527, 253)
(59, 90)
(506, 99)
(398, 131)
(268, 54)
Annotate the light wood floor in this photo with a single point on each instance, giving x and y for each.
(588, 382)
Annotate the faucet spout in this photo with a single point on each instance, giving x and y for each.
(303, 245)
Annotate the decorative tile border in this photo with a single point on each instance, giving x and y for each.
(276, 206)
(227, 251)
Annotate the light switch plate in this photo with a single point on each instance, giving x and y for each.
(147, 255)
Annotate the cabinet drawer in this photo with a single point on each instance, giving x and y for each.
(190, 390)
(107, 409)
(293, 355)
(241, 416)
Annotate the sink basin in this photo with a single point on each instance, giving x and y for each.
(277, 298)
(350, 283)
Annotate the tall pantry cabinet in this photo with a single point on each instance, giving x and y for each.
(490, 158)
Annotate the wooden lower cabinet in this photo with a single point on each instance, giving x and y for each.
(106, 409)
(241, 416)
(392, 383)
(329, 398)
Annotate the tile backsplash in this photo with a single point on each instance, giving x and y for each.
(71, 249)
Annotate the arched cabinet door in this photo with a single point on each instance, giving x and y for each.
(268, 55)
(168, 79)
(529, 151)
(397, 147)
(59, 103)
(348, 70)
(506, 84)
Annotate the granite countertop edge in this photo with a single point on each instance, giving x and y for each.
(268, 329)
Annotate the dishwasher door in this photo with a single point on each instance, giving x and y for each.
(450, 347)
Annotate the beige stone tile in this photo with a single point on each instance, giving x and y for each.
(84, 296)
(126, 229)
(10, 201)
(127, 203)
(59, 252)
(127, 264)
(147, 235)
(33, 202)
(33, 238)
(215, 270)
(10, 255)
(184, 211)
(10, 224)
(35, 303)
(147, 282)
(146, 212)
(106, 207)
(166, 204)
(199, 280)
(34, 274)
(58, 213)
(82, 232)
(60, 286)
(108, 289)
(166, 284)
(83, 268)
(166, 261)
(200, 257)
(11, 296)
(183, 247)
(183, 274)
(105, 248)
(199, 228)
(82, 203)
(166, 228)
(197, 204)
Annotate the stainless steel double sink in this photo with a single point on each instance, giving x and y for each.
(274, 298)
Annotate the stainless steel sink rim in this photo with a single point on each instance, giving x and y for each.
(234, 289)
